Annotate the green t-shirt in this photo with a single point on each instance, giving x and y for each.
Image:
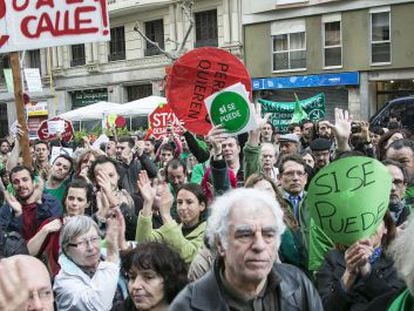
(58, 192)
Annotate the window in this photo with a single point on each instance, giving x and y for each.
(289, 51)
(154, 31)
(78, 55)
(206, 29)
(139, 91)
(34, 59)
(380, 37)
(117, 44)
(288, 45)
(332, 43)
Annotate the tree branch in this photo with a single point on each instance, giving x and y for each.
(186, 6)
(169, 55)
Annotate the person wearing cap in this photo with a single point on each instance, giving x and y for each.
(321, 152)
(289, 144)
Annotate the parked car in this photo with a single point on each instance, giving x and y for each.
(404, 107)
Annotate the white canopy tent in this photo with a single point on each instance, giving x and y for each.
(139, 107)
(98, 111)
(90, 112)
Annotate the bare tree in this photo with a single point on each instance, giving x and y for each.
(186, 6)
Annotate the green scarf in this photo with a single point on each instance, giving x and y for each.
(404, 302)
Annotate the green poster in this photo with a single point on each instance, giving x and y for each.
(8, 76)
(283, 112)
(348, 198)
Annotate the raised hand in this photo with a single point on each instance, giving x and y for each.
(52, 226)
(165, 203)
(254, 135)
(14, 292)
(37, 194)
(107, 188)
(144, 185)
(216, 136)
(13, 203)
(112, 236)
(357, 257)
(102, 203)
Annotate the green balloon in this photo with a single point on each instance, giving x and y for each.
(231, 110)
(348, 198)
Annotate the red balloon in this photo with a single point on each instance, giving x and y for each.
(120, 122)
(195, 76)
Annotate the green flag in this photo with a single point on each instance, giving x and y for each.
(299, 114)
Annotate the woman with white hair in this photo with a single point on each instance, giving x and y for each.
(85, 281)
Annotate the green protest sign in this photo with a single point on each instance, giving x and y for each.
(282, 113)
(231, 109)
(348, 198)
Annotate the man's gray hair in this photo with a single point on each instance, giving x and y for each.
(402, 251)
(218, 222)
(76, 226)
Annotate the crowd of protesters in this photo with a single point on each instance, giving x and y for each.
(201, 223)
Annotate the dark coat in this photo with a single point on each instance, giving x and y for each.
(295, 292)
(128, 174)
(382, 279)
(50, 207)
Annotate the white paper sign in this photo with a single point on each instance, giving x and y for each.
(102, 139)
(56, 127)
(33, 80)
(58, 151)
(35, 24)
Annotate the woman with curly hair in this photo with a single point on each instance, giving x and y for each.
(155, 275)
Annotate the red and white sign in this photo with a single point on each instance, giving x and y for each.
(43, 130)
(161, 118)
(195, 76)
(34, 24)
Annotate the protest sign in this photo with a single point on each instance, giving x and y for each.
(102, 139)
(161, 119)
(37, 109)
(8, 77)
(348, 198)
(56, 151)
(28, 25)
(230, 108)
(33, 80)
(44, 134)
(281, 113)
(56, 126)
(197, 75)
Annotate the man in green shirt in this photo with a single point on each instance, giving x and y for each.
(58, 179)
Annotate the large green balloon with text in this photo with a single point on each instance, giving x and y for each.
(231, 110)
(348, 198)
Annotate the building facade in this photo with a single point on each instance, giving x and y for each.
(359, 53)
(127, 67)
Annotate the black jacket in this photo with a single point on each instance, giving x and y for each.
(129, 173)
(382, 279)
(295, 292)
